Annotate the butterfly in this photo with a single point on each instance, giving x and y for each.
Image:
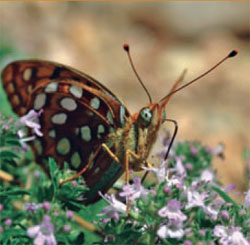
(83, 122)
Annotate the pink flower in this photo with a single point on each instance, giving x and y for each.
(179, 169)
(229, 235)
(69, 214)
(114, 208)
(247, 198)
(8, 222)
(66, 228)
(46, 206)
(43, 233)
(172, 211)
(29, 121)
(160, 172)
(172, 230)
(24, 139)
(207, 176)
(195, 199)
(31, 207)
(134, 191)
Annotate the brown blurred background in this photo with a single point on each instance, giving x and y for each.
(165, 38)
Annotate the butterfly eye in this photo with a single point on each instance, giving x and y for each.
(145, 117)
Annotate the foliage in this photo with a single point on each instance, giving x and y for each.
(185, 205)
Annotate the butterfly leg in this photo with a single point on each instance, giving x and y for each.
(83, 170)
(106, 148)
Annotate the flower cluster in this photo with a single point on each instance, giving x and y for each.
(185, 206)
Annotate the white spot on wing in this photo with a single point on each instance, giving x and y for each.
(39, 101)
(97, 170)
(63, 146)
(27, 74)
(59, 118)
(76, 91)
(100, 131)
(75, 160)
(52, 133)
(51, 87)
(86, 133)
(68, 104)
(95, 103)
(110, 118)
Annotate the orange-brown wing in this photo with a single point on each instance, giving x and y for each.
(21, 77)
(78, 114)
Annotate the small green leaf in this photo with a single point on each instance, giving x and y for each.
(224, 196)
(6, 154)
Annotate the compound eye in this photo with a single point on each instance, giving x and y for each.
(145, 116)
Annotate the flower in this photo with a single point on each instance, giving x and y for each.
(134, 191)
(29, 121)
(167, 189)
(172, 230)
(160, 172)
(31, 207)
(207, 176)
(74, 183)
(229, 235)
(195, 199)
(172, 211)
(247, 199)
(225, 215)
(114, 208)
(69, 214)
(6, 127)
(219, 151)
(194, 151)
(1, 207)
(189, 166)
(8, 222)
(23, 139)
(46, 206)
(179, 169)
(66, 228)
(43, 233)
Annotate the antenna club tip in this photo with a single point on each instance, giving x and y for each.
(233, 53)
(126, 47)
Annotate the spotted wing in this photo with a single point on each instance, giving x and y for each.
(78, 115)
(20, 78)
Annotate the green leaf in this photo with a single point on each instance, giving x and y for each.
(224, 196)
(6, 154)
(14, 192)
(12, 142)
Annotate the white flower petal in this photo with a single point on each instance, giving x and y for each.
(238, 238)
(162, 231)
(33, 231)
(50, 239)
(40, 239)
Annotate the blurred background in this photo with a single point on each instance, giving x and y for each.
(165, 38)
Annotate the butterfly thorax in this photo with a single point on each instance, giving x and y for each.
(138, 135)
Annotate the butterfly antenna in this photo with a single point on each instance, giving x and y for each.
(126, 48)
(230, 55)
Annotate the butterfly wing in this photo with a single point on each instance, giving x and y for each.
(78, 115)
